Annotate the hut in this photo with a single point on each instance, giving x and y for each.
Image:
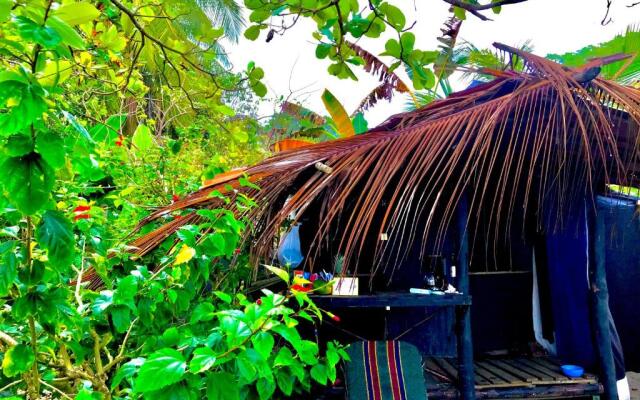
(507, 181)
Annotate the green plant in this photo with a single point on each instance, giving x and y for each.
(103, 104)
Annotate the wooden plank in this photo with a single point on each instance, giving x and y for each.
(523, 375)
(547, 362)
(553, 374)
(537, 375)
(557, 378)
(431, 380)
(479, 379)
(431, 367)
(503, 374)
(490, 376)
(451, 371)
(543, 391)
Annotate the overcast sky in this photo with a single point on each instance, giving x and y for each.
(553, 26)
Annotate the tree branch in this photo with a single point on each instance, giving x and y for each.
(476, 8)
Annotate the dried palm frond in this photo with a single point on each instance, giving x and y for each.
(390, 82)
(300, 112)
(376, 67)
(540, 141)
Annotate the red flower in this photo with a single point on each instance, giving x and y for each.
(175, 198)
(81, 216)
(259, 302)
(300, 288)
(119, 142)
(237, 251)
(81, 209)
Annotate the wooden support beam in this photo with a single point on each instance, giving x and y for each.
(600, 306)
(463, 313)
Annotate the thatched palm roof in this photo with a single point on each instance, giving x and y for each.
(526, 139)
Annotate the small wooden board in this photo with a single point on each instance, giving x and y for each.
(494, 375)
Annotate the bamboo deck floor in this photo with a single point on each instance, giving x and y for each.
(538, 377)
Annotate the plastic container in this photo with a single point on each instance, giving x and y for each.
(572, 371)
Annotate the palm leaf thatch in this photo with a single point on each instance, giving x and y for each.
(390, 82)
(537, 140)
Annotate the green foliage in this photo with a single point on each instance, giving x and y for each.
(109, 109)
(343, 21)
(17, 360)
(627, 71)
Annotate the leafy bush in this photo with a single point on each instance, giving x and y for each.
(105, 108)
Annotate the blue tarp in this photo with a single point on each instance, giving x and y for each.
(622, 225)
(568, 263)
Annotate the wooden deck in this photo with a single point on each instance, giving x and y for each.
(538, 377)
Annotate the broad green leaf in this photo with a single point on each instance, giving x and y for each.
(109, 131)
(263, 343)
(51, 147)
(266, 387)
(121, 317)
(55, 234)
(322, 50)
(259, 89)
(285, 381)
(5, 10)
(319, 373)
(284, 357)
(394, 15)
(223, 296)
(202, 312)
(28, 180)
(203, 359)
(75, 13)
(338, 114)
(69, 35)
(112, 39)
(54, 73)
(248, 370)
(279, 272)
(29, 30)
(142, 138)
(360, 124)
(252, 32)
(8, 272)
(222, 386)
(18, 145)
(127, 370)
(236, 331)
(17, 359)
(163, 368)
(460, 13)
(171, 336)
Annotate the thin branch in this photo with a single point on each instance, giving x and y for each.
(55, 389)
(476, 8)
(4, 388)
(606, 19)
(8, 340)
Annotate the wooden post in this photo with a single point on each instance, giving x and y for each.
(600, 307)
(463, 313)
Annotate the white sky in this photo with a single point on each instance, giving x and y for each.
(553, 26)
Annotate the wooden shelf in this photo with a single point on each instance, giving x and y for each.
(393, 299)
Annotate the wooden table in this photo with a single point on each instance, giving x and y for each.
(392, 299)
